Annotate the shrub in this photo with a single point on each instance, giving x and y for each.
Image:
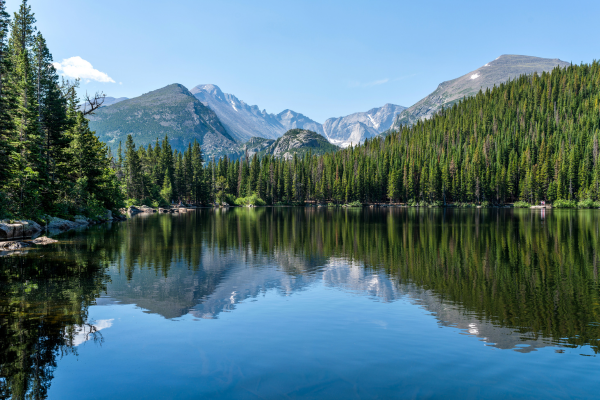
(229, 199)
(250, 200)
(564, 204)
(131, 202)
(587, 203)
(485, 204)
(436, 203)
(521, 204)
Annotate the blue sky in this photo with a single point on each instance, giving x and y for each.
(321, 58)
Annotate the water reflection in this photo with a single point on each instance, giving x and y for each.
(43, 315)
(515, 279)
(510, 277)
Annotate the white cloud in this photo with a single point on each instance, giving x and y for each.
(83, 333)
(77, 67)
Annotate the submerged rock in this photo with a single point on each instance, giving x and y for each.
(13, 245)
(44, 240)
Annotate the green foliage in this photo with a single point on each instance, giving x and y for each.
(253, 200)
(521, 204)
(588, 203)
(564, 204)
(167, 190)
(355, 203)
(533, 138)
(50, 161)
(132, 202)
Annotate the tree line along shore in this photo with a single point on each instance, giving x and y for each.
(532, 139)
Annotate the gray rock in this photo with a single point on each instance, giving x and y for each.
(60, 225)
(131, 211)
(13, 245)
(43, 240)
(18, 229)
(81, 220)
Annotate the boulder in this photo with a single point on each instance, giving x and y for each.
(81, 220)
(133, 211)
(59, 224)
(18, 229)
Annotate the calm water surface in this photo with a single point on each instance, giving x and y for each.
(308, 303)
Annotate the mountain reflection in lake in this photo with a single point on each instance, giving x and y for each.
(509, 279)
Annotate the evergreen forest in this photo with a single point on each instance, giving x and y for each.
(533, 138)
(50, 161)
(530, 139)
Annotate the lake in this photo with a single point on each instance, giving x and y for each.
(316, 303)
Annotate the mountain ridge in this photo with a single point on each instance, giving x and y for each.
(500, 70)
(171, 110)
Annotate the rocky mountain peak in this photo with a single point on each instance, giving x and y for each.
(493, 73)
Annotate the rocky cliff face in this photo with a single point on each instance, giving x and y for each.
(171, 111)
(244, 121)
(355, 128)
(255, 145)
(493, 73)
(299, 141)
(292, 120)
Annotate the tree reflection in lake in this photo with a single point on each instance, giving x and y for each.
(43, 315)
(510, 277)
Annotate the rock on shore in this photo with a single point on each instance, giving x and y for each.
(22, 229)
(18, 229)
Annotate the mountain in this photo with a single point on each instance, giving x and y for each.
(300, 141)
(109, 101)
(292, 120)
(244, 121)
(294, 141)
(171, 111)
(493, 73)
(255, 145)
(357, 127)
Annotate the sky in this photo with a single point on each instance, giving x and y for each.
(319, 58)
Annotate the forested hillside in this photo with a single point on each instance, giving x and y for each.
(171, 110)
(50, 161)
(530, 139)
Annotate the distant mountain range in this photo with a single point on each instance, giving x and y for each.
(244, 121)
(225, 125)
(171, 111)
(355, 128)
(493, 73)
